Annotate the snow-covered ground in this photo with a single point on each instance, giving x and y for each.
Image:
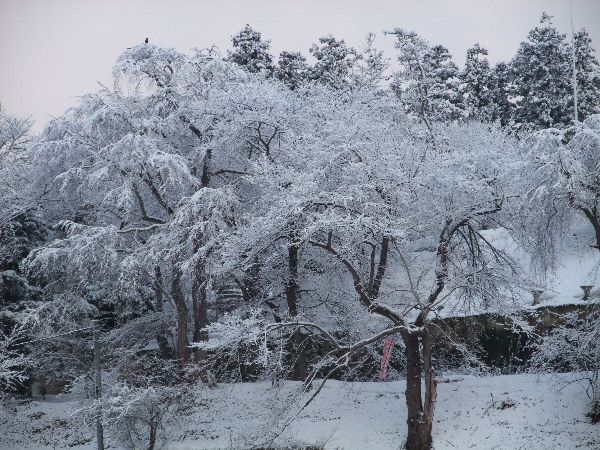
(539, 412)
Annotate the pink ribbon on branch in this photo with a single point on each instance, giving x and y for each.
(388, 344)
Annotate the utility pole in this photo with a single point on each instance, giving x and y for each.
(574, 67)
(98, 390)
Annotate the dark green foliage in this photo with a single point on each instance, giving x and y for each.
(542, 86)
(334, 62)
(17, 237)
(588, 76)
(292, 69)
(250, 51)
(500, 108)
(476, 83)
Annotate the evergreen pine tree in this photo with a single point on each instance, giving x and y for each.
(475, 88)
(250, 51)
(370, 65)
(500, 107)
(588, 76)
(443, 82)
(409, 83)
(428, 83)
(292, 69)
(334, 62)
(541, 75)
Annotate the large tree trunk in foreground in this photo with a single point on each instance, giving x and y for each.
(420, 413)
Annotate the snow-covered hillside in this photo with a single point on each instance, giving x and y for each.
(577, 265)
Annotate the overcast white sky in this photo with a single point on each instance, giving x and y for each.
(51, 51)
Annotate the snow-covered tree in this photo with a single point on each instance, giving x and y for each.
(15, 134)
(123, 167)
(370, 67)
(476, 80)
(588, 76)
(541, 74)
(444, 93)
(149, 183)
(357, 200)
(334, 62)
(292, 69)
(329, 187)
(20, 231)
(501, 107)
(428, 83)
(14, 364)
(250, 51)
(568, 169)
(410, 82)
(138, 415)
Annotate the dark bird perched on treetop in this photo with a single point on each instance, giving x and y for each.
(146, 41)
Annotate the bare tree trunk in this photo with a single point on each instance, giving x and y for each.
(592, 216)
(161, 339)
(419, 419)
(183, 345)
(152, 440)
(200, 314)
(300, 366)
(251, 285)
(205, 178)
(375, 286)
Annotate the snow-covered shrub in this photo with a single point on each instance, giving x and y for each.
(573, 346)
(136, 417)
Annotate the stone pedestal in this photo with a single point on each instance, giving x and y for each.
(587, 289)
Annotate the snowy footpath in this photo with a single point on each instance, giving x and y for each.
(501, 412)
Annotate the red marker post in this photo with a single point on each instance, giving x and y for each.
(388, 344)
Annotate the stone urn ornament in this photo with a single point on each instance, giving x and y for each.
(537, 296)
(587, 290)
